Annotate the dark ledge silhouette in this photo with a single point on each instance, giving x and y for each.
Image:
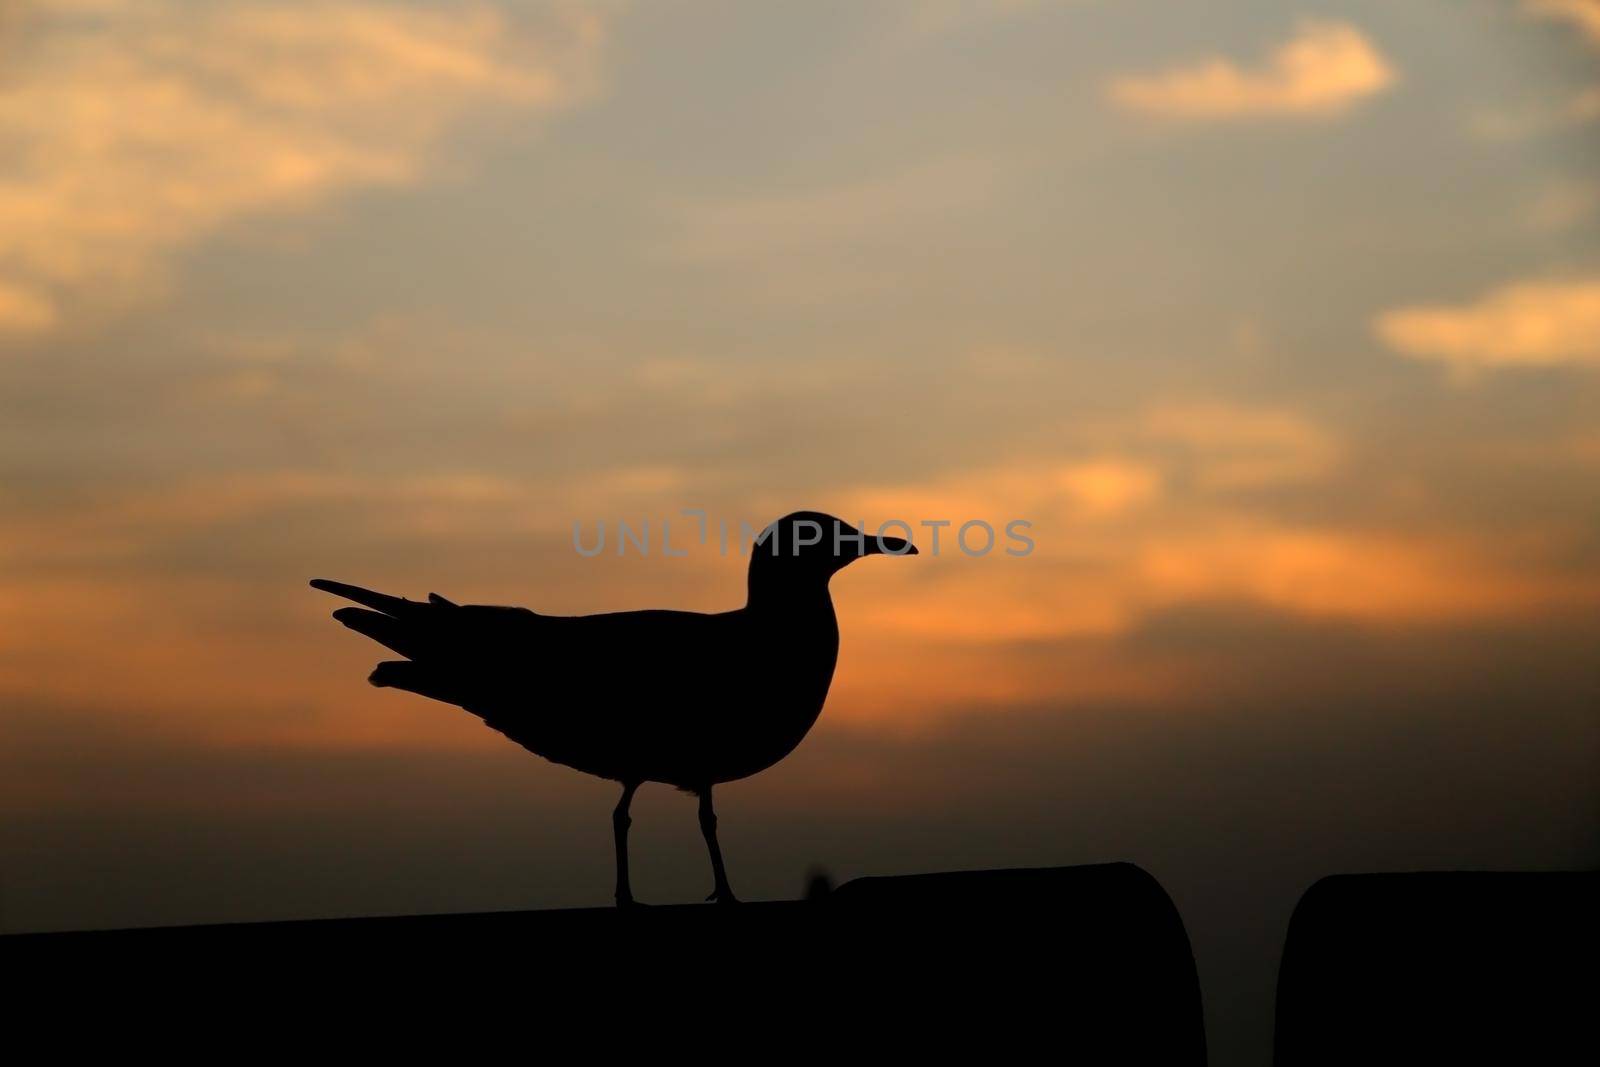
(1442, 967)
(679, 697)
(1092, 961)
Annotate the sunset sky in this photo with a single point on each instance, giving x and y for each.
(1279, 323)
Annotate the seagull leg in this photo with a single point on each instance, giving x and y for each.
(722, 894)
(620, 821)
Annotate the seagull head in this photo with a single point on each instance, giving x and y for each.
(806, 548)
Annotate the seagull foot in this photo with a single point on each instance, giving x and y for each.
(723, 896)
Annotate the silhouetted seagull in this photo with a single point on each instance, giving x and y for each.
(679, 697)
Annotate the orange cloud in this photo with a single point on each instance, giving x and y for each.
(1357, 576)
(1584, 14)
(1164, 513)
(24, 310)
(1236, 447)
(1323, 71)
(1169, 530)
(1531, 324)
(1084, 584)
(130, 130)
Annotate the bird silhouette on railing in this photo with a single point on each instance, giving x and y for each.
(678, 697)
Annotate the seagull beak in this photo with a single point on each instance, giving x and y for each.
(888, 546)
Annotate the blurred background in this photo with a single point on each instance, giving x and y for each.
(1280, 323)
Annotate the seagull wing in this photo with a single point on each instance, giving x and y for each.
(602, 693)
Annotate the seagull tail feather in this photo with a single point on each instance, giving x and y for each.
(413, 678)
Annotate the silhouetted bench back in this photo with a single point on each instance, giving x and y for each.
(1441, 968)
(1091, 964)
(1086, 963)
